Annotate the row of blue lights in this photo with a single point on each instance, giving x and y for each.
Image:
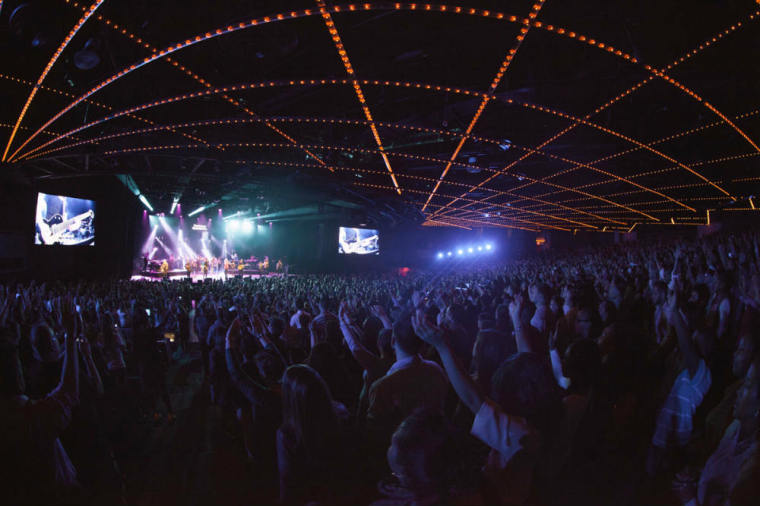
(469, 251)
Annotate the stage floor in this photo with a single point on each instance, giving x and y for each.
(179, 274)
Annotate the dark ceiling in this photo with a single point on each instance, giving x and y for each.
(549, 115)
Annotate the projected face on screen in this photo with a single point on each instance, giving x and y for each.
(358, 241)
(64, 221)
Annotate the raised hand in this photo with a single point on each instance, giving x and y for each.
(554, 337)
(516, 306)
(417, 299)
(426, 330)
(233, 335)
(344, 314)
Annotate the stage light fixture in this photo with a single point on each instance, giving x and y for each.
(480, 248)
(145, 202)
(449, 253)
(488, 246)
(459, 252)
(440, 255)
(247, 227)
(469, 250)
(232, 226)
(199, 210)
(174, 206)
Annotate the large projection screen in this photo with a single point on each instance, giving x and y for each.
(64, 221)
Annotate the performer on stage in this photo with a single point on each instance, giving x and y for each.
(164, 268)
(204, 268)
(278, 266)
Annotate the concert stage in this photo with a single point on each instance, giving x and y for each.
(197, 276)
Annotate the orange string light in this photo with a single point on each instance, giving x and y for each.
(367, 6)
(622, 95)
(47, 69)
(330, 24)
(114, 26)
(484, 101)
(400, 84)
(270, 120)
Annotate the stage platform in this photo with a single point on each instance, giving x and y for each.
(197, 276)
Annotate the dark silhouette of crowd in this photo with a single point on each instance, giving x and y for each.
(625, 375)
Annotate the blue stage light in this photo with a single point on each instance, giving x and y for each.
(449, 253)
(488, 246)
(469, 250)
(459, 252)
(480, 248)
(440, 255)
(232, 226)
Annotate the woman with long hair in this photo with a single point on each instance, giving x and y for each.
(310, 446)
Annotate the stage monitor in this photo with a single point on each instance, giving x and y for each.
(64, 221)
(358, 241)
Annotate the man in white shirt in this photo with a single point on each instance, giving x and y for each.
(301, 319)
(514, 441)
(411, 383)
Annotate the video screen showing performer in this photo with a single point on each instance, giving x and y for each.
(358, 241)
(65, 221)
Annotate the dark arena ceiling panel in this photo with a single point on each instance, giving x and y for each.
(595, 115)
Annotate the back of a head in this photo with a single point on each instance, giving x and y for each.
(524, 385)
(372, 326)
(458, 314)
(308, 416)
(405, 338)
(420, 453)
(490, 350)
(269, 365)
(325, 360)
(276, 326)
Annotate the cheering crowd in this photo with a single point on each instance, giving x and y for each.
(627, 375)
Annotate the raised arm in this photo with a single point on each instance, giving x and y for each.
(90, 368)
(70, 371)
(685, 343)
(526, 337)
(463, 384)
(252, 390)
(366, 359)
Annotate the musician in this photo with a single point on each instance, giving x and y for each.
(164, 268)
(189, 268)
(204, 267)
(49, 206)
(278, 266)
(350, 241)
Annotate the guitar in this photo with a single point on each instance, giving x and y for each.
(51, 230)
(361, 247)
